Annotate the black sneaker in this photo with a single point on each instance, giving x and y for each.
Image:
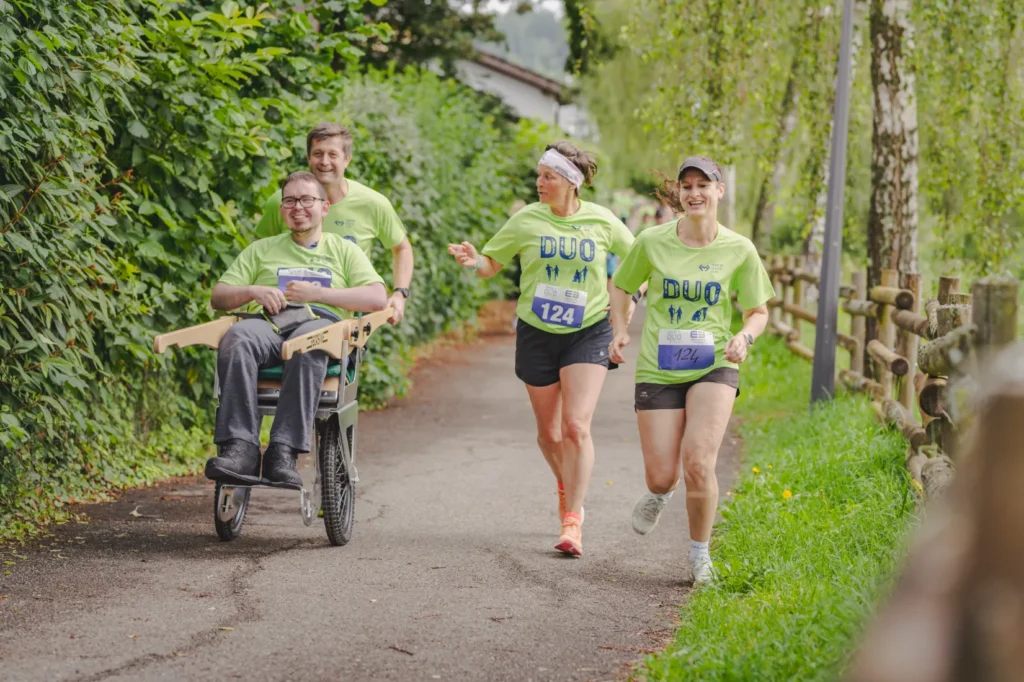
(237, 462)
(279, 470)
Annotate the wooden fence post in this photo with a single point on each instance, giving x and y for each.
(787, 294)
(947, 318)
(886, 330)
(906, 343)
(799, 291)
(954, 613)
(947, 287)
(994, 310)
(859, 325)
(776, 311)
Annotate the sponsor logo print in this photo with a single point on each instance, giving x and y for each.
(316, 340)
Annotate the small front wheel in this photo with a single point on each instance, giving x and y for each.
(339, 491)
(229, 507)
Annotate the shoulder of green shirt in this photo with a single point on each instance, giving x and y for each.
(536, 209)
(603, 211)
(734, 236)
(657, 232)
(368, 194)
(270, 222)
(346, 248)
(337, 243)
(383, 208)
(261, 246)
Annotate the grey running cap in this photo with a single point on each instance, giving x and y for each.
(703, 165)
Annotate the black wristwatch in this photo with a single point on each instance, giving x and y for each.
(749, 339)
(636, 297)
(403, 291)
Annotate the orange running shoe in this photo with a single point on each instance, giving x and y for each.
(562, 509)
(571, 540)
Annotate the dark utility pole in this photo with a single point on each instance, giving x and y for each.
(823, 378)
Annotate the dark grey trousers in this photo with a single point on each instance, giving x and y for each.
(253, 344)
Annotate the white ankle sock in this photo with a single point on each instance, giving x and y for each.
(664, 497)
(698, 548)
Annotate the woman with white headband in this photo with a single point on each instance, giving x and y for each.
(563, 331)
(687, 375)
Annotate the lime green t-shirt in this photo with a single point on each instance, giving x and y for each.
(689, 296)
(362, 216)
(564, 280)
(334, 262)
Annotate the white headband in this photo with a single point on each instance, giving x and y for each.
(563, 166)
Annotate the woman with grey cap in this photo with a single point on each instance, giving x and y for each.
(687, 375)
(563, 331)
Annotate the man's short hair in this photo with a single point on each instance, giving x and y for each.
(299, 176)
(325, 131)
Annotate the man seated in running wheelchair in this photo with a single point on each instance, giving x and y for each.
(303, 280)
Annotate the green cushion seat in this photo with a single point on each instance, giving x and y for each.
(333, 370)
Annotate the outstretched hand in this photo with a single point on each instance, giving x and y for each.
(465, 253)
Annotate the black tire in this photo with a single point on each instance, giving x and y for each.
(229, 530)
(339, 491)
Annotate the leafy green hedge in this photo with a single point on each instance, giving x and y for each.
(138, 139)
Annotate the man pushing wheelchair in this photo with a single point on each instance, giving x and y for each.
(302, 281)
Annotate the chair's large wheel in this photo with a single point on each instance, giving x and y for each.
(339, 491)
(229, 507)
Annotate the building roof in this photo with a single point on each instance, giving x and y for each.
(501, 65)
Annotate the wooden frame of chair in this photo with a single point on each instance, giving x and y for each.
(331, 339)
(207, 334)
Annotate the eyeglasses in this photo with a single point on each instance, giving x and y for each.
(305, 201)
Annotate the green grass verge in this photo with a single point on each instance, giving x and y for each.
(810, 535)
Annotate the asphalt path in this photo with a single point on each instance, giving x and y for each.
(451, 572)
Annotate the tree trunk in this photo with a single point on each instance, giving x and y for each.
(764, 214)
(892, 223)
(728, 203)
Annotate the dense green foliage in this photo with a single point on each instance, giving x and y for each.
(138, 140)
(809, 535)
(972, 130)
(713, 79)
(430, 32)
(587, 41)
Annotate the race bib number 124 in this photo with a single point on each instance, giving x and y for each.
(562, 307)
(682, 349)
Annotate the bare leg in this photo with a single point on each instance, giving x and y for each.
(547, 410)
(708, 408)
(661, 435)
(581, 388)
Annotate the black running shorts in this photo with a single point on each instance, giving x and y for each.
(673, 396)
(540, 355)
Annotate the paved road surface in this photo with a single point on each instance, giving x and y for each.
(451, 573)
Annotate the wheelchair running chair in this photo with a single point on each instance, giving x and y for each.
(334, 438)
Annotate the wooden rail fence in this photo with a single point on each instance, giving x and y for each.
(920, 356)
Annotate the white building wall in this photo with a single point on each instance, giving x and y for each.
(526, 100)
